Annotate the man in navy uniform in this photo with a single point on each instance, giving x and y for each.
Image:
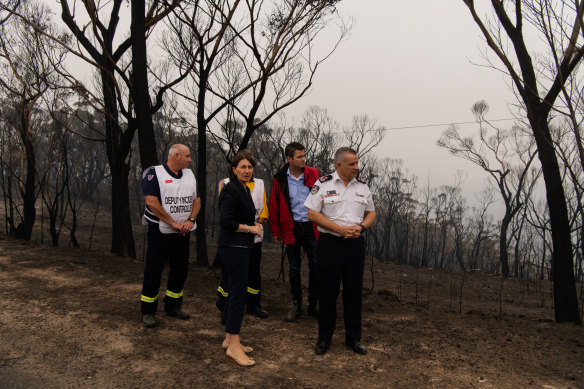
(172, 205)
(341, 205)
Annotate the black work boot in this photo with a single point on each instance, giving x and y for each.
(322, 346)
(149, 320)
(295, 311)
(313, 309)
(258, 311)
(178, 313)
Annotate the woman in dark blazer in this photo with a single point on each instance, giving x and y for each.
(238, 227)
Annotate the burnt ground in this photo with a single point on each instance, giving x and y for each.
(70, 318)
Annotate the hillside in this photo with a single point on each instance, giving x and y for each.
(70, 318)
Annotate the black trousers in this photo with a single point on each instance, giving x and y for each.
(305, 240)
(340, 260)
(254, 282)
(173, 248)
(234, 263)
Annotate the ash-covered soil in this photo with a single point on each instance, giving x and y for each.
(70, 318)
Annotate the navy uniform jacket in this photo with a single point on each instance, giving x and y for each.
(235, 207)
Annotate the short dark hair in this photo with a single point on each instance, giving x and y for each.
(340, 153)
(291, 149)
(238, 157)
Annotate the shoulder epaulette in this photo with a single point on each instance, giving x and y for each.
(149, 171)
(326, 178)
(361, 181)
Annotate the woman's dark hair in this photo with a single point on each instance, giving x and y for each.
(240, 156)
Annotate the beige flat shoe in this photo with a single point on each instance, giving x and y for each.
(246, 349)
(241, 362)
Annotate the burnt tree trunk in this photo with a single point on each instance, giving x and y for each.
(503, 254)
(538, 111)
(117, 149)
(139, 90)
(24, 228)
(565, 294)
(201, 234)
(202, 254)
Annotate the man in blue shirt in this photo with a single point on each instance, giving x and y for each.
(290, 225)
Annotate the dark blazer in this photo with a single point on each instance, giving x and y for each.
(235, 207)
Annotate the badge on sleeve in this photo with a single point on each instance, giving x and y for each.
(315, 189)
(150, 177)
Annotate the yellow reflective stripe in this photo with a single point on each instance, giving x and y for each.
(174, 295)
(252, 291)
(223, 293)
(147, 299)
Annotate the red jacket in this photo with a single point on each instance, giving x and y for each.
(281, 220)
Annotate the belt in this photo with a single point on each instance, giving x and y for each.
(302, 223)
(339, 238)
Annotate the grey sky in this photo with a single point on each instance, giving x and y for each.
(408, 63)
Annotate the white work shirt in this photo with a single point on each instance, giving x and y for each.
(343, 205)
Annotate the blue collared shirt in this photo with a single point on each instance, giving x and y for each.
(298, 194)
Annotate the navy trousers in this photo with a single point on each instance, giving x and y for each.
(305, 239)
(234, 264)
(254, 286)
(162, 248)
(340, 260)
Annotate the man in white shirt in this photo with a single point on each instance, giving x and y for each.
(342, 207)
